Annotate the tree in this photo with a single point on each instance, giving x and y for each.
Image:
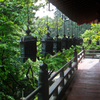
(13, 22)
(94, 35)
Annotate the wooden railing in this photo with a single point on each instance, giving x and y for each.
(92, 53)
(60, 80)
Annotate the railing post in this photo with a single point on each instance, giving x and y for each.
(43, 81)
(55, 93)
(83, 50)
(75, 55)
(70, 73)
(62, 76)
(70, 66)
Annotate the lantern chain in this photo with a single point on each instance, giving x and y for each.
(48, 31)
(28, 30)
(64, 19)
(57, 22)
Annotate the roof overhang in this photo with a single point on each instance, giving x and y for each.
(80, 11)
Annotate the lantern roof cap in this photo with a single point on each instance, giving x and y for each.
(47, 37)
(64, 37)
(57, 39)
(28, 38)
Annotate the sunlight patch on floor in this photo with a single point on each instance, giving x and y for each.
(86, 64)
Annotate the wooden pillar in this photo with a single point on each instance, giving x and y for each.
(43, 81)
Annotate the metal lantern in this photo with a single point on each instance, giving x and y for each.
(89, 41)
(47, 44)
(63, 42)
(28, 47)
(81, 40)
(57, 44)
(74, 41)
(77, 41)
(69, 42)
(97, 42)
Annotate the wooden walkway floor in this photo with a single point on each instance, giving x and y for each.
(86, 82)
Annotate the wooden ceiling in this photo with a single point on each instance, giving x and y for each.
(80, 11)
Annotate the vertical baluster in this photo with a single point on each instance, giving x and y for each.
(75, 55)
(70, 66)
(72, 69)
(83, 50)
(55, 94)
(69, 74)
(62, 76)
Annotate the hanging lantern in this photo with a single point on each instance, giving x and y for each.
(89, 41)
(28, 43)
(81, 41)
(76, 41)
(28, 47)
(97, 42)
(57, 44)
(47, 44)
(57, 41)
(63, 42)
(73, 41)
(68, 41)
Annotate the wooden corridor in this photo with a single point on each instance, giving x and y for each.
(86, 81)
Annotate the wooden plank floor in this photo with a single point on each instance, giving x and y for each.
(86, 82)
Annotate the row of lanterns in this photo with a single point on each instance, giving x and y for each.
(29, 48)
(49, 45)
(89, 42)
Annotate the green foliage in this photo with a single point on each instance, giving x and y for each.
(41, 26)
(94, 35)
(61, 58)
(41, 29)
(5, 97)
(13, 22)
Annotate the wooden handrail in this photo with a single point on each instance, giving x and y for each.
(65, 75)
(80, 58)
(92, 55)
(60, 69)
(32, 95)
(80, 53)
(93, 50)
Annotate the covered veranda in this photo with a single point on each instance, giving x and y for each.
(86, 82)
